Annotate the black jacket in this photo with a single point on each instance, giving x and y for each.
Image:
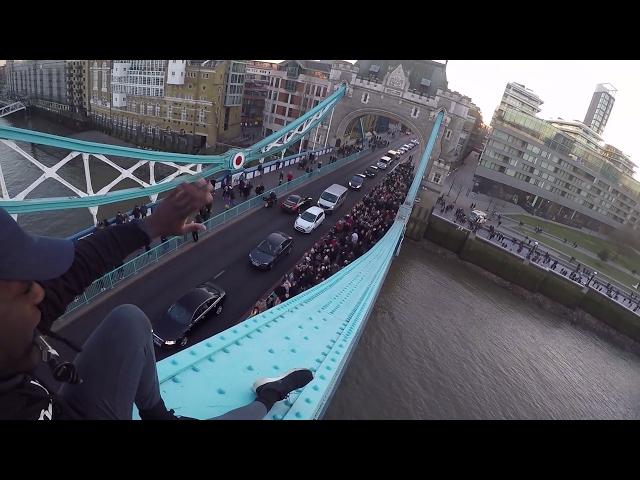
(24, 396)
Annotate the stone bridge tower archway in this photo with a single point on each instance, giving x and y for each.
(409, 92)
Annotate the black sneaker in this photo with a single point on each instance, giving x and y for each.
(285, 384)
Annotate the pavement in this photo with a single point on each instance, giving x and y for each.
(223, 256)
(619, 293)
(579, 249)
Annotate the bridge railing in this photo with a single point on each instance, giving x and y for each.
(142, 261)
(250, 173)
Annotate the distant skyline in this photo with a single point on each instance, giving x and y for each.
(565, 86)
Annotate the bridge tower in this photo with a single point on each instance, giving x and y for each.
(408, 92)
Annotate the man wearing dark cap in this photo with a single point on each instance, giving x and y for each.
(40, 276)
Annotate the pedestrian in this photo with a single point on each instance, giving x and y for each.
(136, 211)
(194, 233)
(289, 176)
(281, 177)
(143, 211)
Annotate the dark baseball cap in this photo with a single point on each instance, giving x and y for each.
(31, 257)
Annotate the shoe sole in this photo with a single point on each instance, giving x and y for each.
(263, 381)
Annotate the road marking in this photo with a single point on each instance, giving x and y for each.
(218, 275)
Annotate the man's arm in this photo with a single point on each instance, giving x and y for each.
(94, 256)
(106, 249)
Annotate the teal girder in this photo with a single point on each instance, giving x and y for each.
(273, 144)
(317, 329)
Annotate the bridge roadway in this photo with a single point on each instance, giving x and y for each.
(225, 253)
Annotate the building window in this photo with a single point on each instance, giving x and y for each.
(365, 98)
(183, 114)
(448, 135)
(157, 110)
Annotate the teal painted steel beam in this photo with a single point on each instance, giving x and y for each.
(253, 152)
(276, 142)
(317, 329)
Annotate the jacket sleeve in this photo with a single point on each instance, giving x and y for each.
(94, 256)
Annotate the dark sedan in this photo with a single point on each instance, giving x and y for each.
(265, 255)
(194, 306)
(356, 181)
(371, 171)
(296, 204)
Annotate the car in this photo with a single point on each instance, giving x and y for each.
(270, 250)
(401, 151)
(371, 171)
(356, 181)
(309, 220)
(407, 147)
(478, 216)
(383, 164)
(415, 141)
(295, 203)
(393, 155)
(331, 199)
(193, 307)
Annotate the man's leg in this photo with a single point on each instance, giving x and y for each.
(254, 411)
(268, 392)
(118, 368)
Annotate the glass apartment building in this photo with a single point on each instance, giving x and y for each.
(556, 174)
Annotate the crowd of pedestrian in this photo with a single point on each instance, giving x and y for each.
(351, 237)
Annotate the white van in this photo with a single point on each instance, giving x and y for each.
(383, 163)
(393, 154)
(332, 198)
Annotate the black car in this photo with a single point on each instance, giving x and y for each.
(270, 250)
(356, 181)
(296, 203)
(371, 171)
(194, 306)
